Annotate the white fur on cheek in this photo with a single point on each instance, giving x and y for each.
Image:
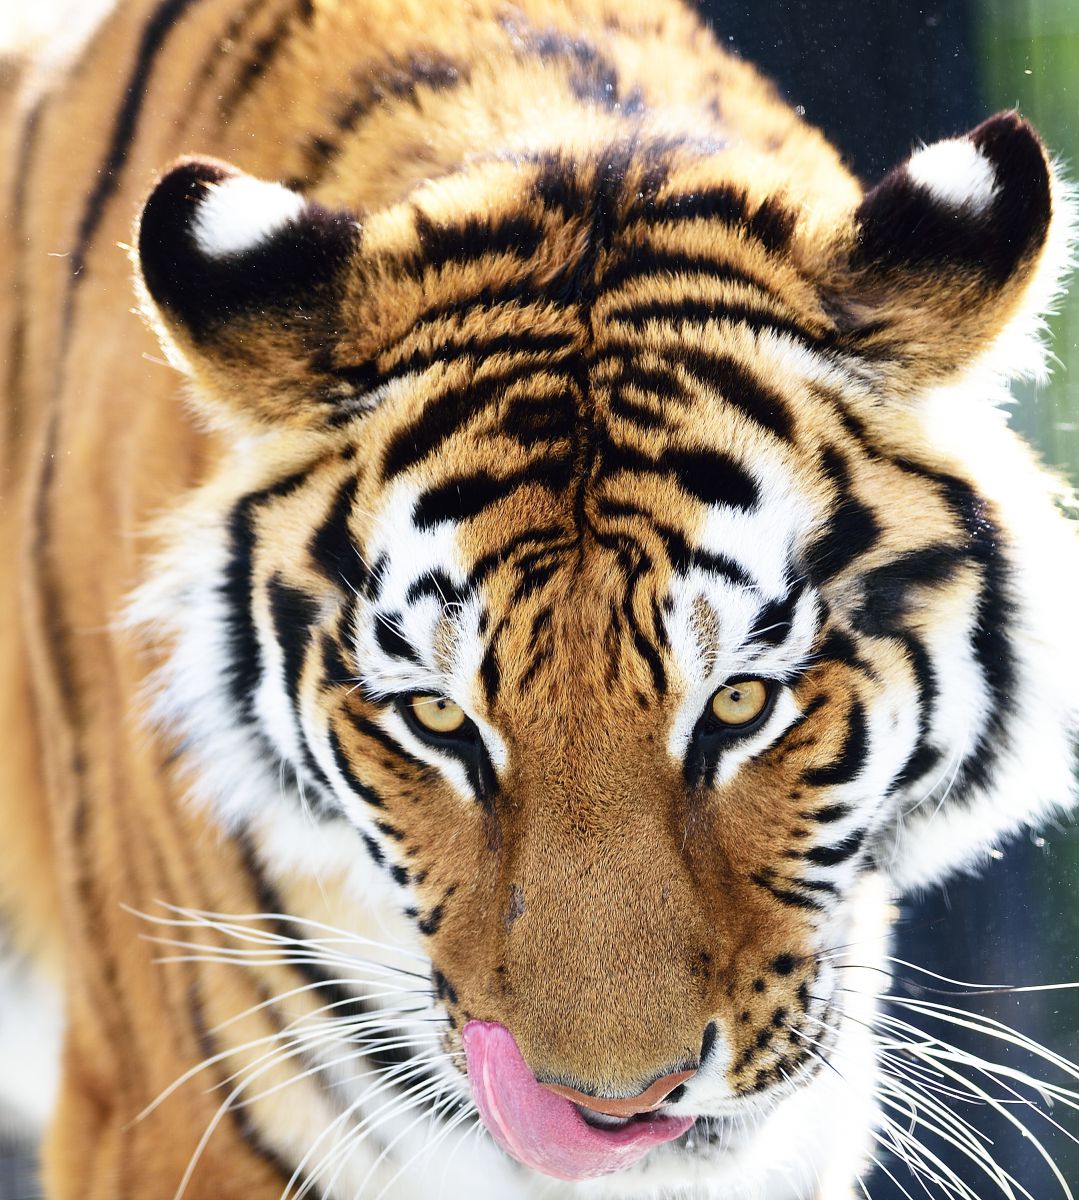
(241, 212)
(955, 173)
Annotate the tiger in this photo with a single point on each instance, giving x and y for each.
(514, 563)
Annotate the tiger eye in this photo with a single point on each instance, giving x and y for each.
(740, 702)
(437, 714)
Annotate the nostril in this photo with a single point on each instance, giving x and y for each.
(709, 1041)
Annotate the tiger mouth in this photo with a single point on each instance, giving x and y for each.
(546, 1131)
(603, 1120)
(599, 1120)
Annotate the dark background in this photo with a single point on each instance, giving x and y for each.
(879, 77)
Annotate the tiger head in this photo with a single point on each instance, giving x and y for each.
(602, 557)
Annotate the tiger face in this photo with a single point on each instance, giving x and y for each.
(599, 564)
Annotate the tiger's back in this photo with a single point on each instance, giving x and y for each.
(407, 116)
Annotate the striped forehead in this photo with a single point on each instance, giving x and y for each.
(422, 602)
(451, 597)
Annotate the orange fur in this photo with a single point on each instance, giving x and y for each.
(409, 114)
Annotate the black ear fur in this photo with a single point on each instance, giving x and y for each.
(297, 267)
(943, 254)
(901, 224)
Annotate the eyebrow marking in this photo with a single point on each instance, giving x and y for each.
(705, 623)
(444, 640)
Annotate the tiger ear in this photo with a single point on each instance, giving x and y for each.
(245, 281)
(946, 253)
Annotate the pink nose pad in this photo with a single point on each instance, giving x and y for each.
(652, 1096)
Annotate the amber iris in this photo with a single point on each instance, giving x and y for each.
(437, 714)
(739, 702)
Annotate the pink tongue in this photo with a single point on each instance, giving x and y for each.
(543, 1130)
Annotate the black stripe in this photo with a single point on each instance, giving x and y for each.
(237, 590)
(294, 615)
(786, 896)
(641, 641)
(886, 598)
(335, 668)
(659, 381)
(107, 180)
(430, 922)
(14, 400)
(828, 814)
(390, 79)
(921, 760)
(261, 59)
(711, 477)
(391, 641)
(649, 262)
(851, 757)
(642, 415)
(995, 616)
(786, 744)
(821, 886)
(219, 51)
(535, 571)
(852, 529)
(701, 312)
(770, 223)
(559, 185)
(592, 76)
(924, 756)
(438, 584)
(837, 647)
(374, 850)
(453, 409)
(773, 623)
(540, 659)
(398, 754)
(832, 856)
(363, 790)
(543, 417)
(333, 549)
(465, 497)
(738, 387)
(682, 556)
(992, 643)
(995, 613)
(490, 670)
(543, 535)
(473, 238)
(440, 346)
(434, 317)
(659, 627)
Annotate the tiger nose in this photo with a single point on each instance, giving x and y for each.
(630, 1106)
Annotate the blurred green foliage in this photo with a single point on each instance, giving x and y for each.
(1029, 56)
(1027, 53)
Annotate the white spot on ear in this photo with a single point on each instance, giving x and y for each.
(955, 173)
(241, 212)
